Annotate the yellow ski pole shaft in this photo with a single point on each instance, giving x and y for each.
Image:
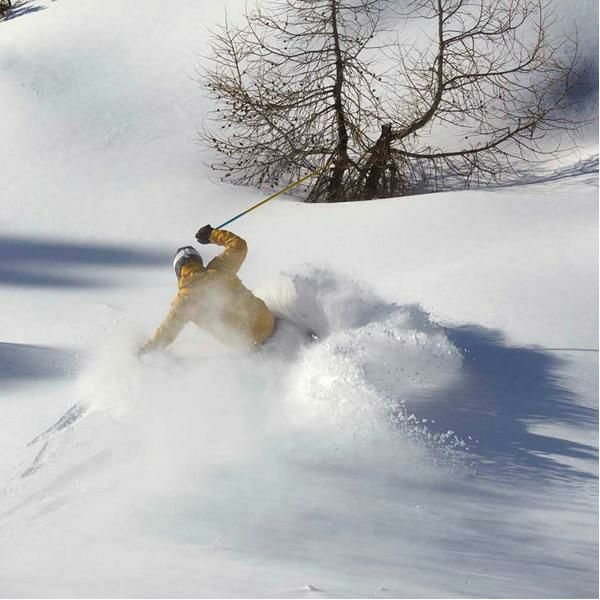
(273, 196)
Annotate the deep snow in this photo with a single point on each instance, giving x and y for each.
(438, 439)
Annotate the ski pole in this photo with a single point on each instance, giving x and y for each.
(273, 196)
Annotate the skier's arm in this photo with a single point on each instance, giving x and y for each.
(169, 329)
(235, 251)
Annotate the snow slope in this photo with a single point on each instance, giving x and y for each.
(439, 439)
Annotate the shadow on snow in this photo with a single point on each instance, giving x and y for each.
(20, 362)
(20, 9)
(587, 168)
(501, 391)
(35, 262)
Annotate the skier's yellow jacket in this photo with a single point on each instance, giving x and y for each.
(216, 300)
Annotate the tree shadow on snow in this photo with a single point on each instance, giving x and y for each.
(38, 262)
(587, 169)
(501, 390)
(21, 362)
(20, 9)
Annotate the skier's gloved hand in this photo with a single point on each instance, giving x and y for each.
(203, 234)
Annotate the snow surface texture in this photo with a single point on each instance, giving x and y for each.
(437, 438)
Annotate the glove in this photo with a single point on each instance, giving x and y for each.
(203, 234)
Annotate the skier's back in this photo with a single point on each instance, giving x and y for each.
(213, 297)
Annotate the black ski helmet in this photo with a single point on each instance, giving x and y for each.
(183, 255)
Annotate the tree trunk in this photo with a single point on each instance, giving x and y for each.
(334, 191)
(5, 6)
(379, 159)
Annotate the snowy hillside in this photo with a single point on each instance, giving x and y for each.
(439, 439)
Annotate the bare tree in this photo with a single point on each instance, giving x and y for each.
(304, 85)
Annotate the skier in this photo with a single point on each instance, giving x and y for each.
(213, 297)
